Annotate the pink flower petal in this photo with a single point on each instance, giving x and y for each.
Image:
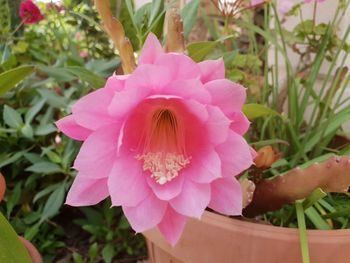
(256, 2)
(205, 168)
(212, 69)
(180, 66)
(188, 89)
(124, 101)
(240, 124)
(91, 110)
(86, 191)
(226, 196)
(227, 95)
(144, 80)
(149, 77)
(172, 226)
(69, 127)
(218, 125)
(147, 214)
(98, 153)
(193, 199)
(151, 50)
(235, 155)
(168, 190)
(197, 109)
(127, 182)
(116, 82)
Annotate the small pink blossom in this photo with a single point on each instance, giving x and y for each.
(77, 36)
(30, 13)
(164, 142)
(54, 7)
(309, 1)
(285, 6)
(83, 54)
(257, 2)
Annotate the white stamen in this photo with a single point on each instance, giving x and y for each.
(163, 167)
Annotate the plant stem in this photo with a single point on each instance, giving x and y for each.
(302, 232)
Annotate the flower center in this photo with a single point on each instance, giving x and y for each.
(163, 167)
(164, 153)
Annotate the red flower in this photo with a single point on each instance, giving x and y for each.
(30, 13)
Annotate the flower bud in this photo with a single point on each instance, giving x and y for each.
(266, 156)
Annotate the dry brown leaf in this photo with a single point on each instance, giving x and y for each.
(116, 32)
(175, 39)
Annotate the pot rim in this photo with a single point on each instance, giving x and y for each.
(227, 222)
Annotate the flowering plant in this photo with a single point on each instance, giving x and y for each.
(164, 142)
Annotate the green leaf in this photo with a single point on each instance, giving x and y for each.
(52, 98)
(189, 16)
(27, 131)
(329, 127)
(13, 198)
(123, 223)
(12, 118)
(11, 159)
(54, 203)
(108, 253)
(253, 111)
(156, 9)
(86, 75)
(44, 167)
(313, 198)
(45, 192)
(11, 248)
(5, 18)
(34, 110)
(77, 258)
(302, 232)
(93, 250)
(42, 130)
(316, 219)
(338, 213)
(12, 77)
(58, 74)
(199, 50)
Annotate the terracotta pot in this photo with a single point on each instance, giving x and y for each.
(220, 239)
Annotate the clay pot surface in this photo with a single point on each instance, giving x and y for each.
(219, 239)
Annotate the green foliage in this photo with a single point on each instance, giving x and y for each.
(35, 158)
(5, 18)
(10, 78)
(11, 249)
(189, 16)
(199, 50)
(46, 67)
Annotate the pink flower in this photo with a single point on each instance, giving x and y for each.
(318, 1)
(30, 13)
(164, 142)
(54, 7)
(257, 2)
(285, 6)
(83, 54)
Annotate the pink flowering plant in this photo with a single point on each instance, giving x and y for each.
(164, 142)
(244, 114)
